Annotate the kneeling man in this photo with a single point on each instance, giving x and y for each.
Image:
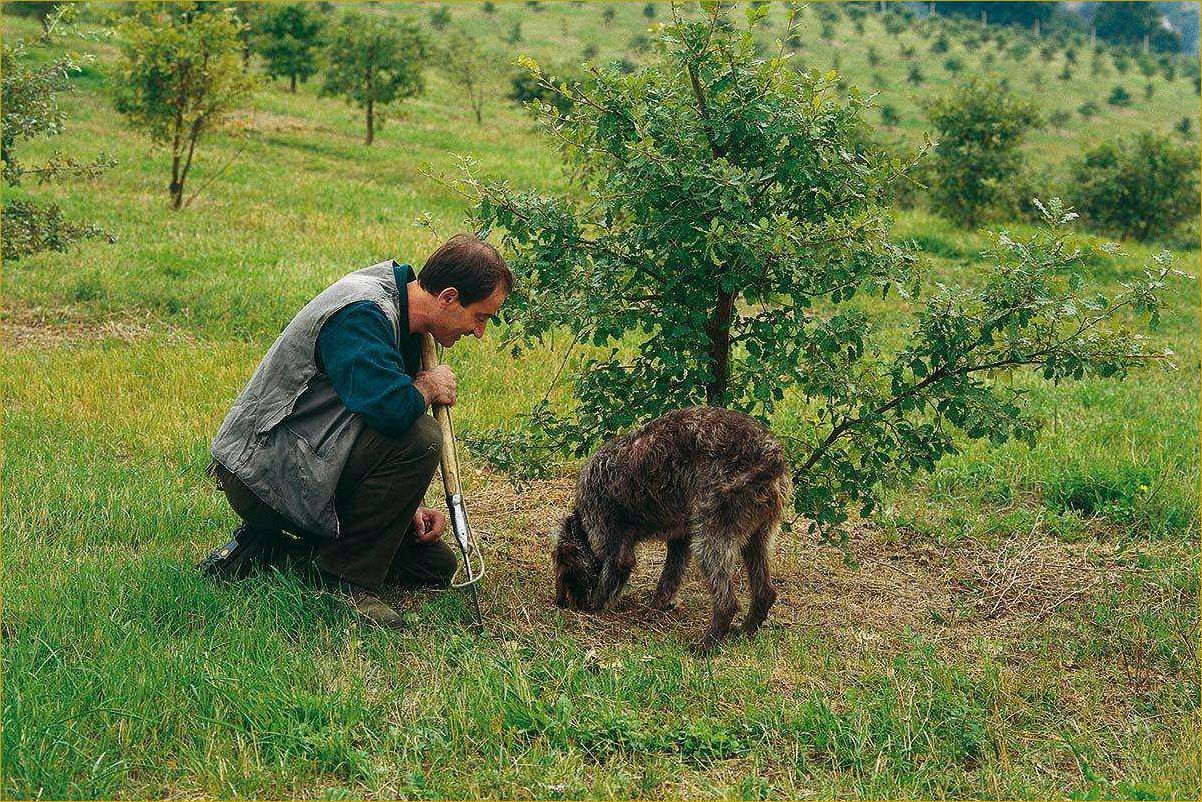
(329, 439)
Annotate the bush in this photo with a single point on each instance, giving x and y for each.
(914, 76)
(1088, 109)
(440, 17)
(1059, 118)
(1065, 74)
(1140, 188)
(889, 115)
(1185, 127)
(1149, 89)
(953, 65)
(940, 44)
(547, 86)
(649, 11)
(1119, 97)
(979, 125)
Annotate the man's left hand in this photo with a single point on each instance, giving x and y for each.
(428, 524)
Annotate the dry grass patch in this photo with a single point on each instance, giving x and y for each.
(37, 328)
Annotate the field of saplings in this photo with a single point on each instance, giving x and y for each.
(820, 214)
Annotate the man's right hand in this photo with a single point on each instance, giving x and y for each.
(437, 385)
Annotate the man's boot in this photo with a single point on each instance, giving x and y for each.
(249, 548)
(365, 602)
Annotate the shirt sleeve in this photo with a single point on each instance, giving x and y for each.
(359, 354)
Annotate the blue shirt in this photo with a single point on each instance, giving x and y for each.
(357, 349)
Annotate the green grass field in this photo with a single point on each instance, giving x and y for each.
(1020, 623)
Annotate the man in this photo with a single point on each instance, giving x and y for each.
(329, 439)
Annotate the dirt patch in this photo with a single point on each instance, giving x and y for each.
(38, 328)
(875, 592)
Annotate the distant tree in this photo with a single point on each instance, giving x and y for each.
(1185, 127)
(465, 65)
(1140, 187)
(556, 87)
(608, 15)
(1065, 74)
(731, 258)
(30, 85)
(1121, 63)
(640, 43)
(649, 11)
(874, 58)
(1088, 109)
(953, 65)
(288, 37)
(1130, 23)
(440, 17)
(180, 77)
(940, 45)
(889, 115)
(914, 76)
(515, 33)
(43, 12)
(1149, 90)
(1119, 97)
(979, 127)
(1000, 13)
(489, 7)
(589, 52)
(374, 61)
(1058, 118)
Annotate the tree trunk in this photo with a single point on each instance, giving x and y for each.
(717, 329)
(371, 121)
(292, 88)
(1035, 26)
(176, 188)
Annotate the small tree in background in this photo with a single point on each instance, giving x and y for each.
(980, 126)
(374, 61)
(1141, 188)
(43, 12)
(727, 210)
(1119, 97)
(181, 76)
(467, 67)
(30, 110)
(289, 39)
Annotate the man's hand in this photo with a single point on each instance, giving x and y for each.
(438, 385)
(428, 524)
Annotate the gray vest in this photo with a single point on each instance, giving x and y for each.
(288, 434)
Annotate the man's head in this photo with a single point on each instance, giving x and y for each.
(469, 281)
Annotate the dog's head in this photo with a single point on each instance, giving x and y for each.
(576, 567)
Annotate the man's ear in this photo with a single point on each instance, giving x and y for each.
(448, 296)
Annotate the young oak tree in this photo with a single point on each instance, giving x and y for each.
(980, 126)
(29, 109)
(181, 76)
(288, 37)
(468, 67)
(727, 215)
(374, 61)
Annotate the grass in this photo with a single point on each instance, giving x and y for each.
(882, 673)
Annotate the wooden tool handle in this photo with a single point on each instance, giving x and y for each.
(442, 414)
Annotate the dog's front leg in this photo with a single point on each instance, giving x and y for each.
(674, 568)
(615, 572)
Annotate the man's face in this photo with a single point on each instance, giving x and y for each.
(455, 320)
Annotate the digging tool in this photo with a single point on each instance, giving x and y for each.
(473, 560)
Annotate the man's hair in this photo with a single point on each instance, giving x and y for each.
(470, 265)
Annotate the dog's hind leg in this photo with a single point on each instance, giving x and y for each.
(674, 568)
(759, 577)
(718, 563)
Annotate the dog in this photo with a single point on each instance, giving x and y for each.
(705, 480)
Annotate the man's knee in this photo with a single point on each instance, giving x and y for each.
(426, 437)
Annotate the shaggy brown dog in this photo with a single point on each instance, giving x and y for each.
(706, 478)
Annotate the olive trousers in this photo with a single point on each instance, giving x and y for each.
(378, 493)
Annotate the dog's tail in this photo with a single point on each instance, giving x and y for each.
(768, 468)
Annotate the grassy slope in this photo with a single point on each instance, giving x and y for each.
(126, 675)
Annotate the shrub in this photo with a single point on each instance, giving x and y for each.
(1119, 97)
(1149, 89)
(914, 76)
(940, 44)
(649, 11)
(1059, 118)
(1185, 127)
(1141, 187)
(889, 115)
(555, 86)
(440, 17)
(1088, 109)
(1065, 74)
(953, 65)
(29, 110)
(979, 126)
